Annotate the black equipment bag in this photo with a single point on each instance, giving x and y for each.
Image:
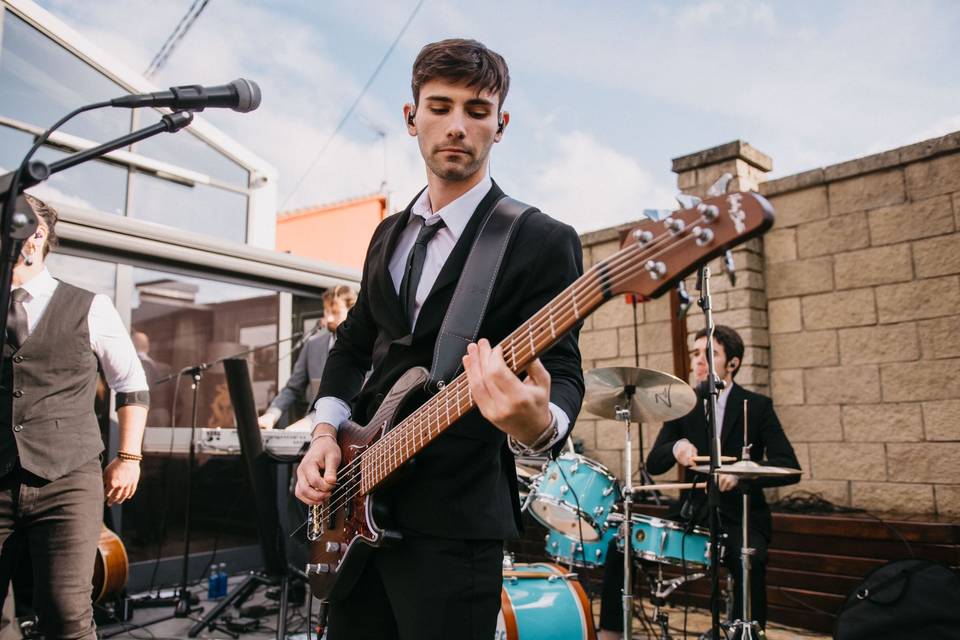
(900, 600)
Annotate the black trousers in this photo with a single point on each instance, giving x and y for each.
(424, 589)
(611, 604)
(61, 521)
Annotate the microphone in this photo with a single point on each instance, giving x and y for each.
(240, 95)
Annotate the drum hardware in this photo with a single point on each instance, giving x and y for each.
(659, 590)
(625, 394)
(748, 627)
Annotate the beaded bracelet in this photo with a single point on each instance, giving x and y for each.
(129, 457)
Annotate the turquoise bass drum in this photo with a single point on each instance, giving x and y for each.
(543, 601)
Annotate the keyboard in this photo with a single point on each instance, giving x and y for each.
(279, 442)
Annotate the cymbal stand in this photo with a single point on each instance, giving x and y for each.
(644, 474)
(624, 415)
(749, 628)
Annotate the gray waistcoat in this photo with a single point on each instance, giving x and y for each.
(47, 390)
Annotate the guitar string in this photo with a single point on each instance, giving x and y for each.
(384, 449)
(441, 402)
(424, 416)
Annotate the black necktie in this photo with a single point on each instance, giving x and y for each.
(414, 268)
(17, 328)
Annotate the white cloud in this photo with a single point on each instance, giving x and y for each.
(592, 186)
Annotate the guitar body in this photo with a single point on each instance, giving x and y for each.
(343, 536)
(110, 569)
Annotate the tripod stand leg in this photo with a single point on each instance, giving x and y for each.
(252, 581)
(282, 614)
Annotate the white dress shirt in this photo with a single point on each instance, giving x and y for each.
(109, 338)
(721, 409)
(455, 216)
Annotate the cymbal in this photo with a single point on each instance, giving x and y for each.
(657, 397)
(749, 469)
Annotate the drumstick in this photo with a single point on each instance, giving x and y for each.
(669, 485)
(707, 459)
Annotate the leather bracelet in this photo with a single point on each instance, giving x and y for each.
(323, 435)
(129, 457)
(518, 448)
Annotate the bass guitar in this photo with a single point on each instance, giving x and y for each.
(344, 529)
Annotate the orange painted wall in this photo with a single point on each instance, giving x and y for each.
(337, 233)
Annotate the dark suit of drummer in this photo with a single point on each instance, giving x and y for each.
(457, 502)
(681, 439)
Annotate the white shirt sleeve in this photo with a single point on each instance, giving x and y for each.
(331, 410)
(111, 341)
(563, 425)
(677, 444)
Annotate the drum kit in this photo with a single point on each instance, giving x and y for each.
(585, 508)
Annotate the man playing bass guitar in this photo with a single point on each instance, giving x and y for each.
(457, 501)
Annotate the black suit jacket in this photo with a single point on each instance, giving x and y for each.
(462, 485)
(766, 435)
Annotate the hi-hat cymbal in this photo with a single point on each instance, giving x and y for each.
(657, 396)
(749, 469)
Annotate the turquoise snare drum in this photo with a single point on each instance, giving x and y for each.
(665, 541)
(575, 494)
(541, 601)
(572, 552)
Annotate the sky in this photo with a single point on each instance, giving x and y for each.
(603, 94)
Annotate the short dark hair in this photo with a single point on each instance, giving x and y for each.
(49, 216)
(731, 342)
(342, 292)
(457, 60)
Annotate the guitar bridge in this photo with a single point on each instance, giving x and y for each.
(315, 517)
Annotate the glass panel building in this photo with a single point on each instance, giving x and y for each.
(179, 231)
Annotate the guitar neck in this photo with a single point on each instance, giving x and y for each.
(520, 348)
(653, 257)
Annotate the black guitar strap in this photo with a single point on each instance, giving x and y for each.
(461, 324)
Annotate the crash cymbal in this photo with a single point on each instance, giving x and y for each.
(749, 469)
(657, 397)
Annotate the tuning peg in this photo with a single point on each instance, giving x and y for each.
(688, 201)
(729, 268)
(684, 305)
(719, 187)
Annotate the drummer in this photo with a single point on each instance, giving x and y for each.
(682, 439)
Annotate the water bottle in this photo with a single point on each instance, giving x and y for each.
(213, 583)
(222, 580)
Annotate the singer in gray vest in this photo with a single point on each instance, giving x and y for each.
(52, 486)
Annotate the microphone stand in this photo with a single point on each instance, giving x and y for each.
(712, 386)
(18, 223)
(183, 605)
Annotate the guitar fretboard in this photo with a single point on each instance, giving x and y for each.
(520, 348)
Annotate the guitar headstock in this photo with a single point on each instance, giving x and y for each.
(655, 255)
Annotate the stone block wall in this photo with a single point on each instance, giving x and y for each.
(850, 311)
(863, 288)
